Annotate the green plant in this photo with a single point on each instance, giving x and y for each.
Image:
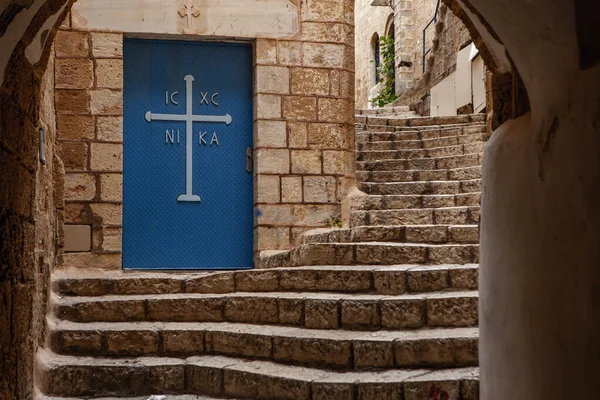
(387, 73)
(334, 222)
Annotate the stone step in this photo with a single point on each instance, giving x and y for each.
(335, 349)
(435, 152)
(394, 202)
(150, 397)
(376, 279)
(309, 310)
(425, 121)
(61, 375)
(383, 110)
(401, 234)
(419, 143)
(451, 162)
(369, 253)
(374, 133)
(421, 187)
(425, 216)
(456, 174)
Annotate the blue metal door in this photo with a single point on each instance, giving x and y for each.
(187, 126)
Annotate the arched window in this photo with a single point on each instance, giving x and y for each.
(376, 56)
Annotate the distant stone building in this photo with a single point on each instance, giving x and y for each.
(434, 57)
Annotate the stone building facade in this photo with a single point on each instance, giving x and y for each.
(413, 20)
(303, 111)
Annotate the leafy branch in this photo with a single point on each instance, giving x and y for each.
(386, 73)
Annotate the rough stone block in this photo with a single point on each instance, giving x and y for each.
(323, 32)
(300, 108)
(207, 309)
(271, 134)
(74, 155)
(427, 280)
(267, 189)
(257, 281)
(332, 391)
(333, 136)
(452, 311)
(272, 161)
(72, 101)
(111, 187)
(74, 73)
(80, 186)
(373, 354)
(238, 344)
(319, 189)
(272, 79)
(213, 283)
(335, 162)
(389, 282)
(323, 11)
(266, 51)
(309, 81)
(109, 73)
(106, 102)
(107, 45)
(297, 134)
(252, 309)
(110, 129)
(291, 311)
(290, 53)
(267, 106)
(321, 314)
(335, 110)
(204, 379)
(108, 239)
(273, 238)
(360, 313)
(323, 55)
(306, 161)
(75, 127)
(291, 189)
(71, 44)
(106, 157)
(131, 342)
(107, 214)
(403, 314)
(308, 351)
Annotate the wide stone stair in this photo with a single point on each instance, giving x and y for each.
(385, 308)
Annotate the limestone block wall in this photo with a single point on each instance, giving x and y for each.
(30, 198)
(369, 20)
(303, 126)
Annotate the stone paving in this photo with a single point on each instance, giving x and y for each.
(385, 308)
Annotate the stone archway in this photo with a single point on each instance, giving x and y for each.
(540, 235)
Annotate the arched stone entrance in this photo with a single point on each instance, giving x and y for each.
(540, 233)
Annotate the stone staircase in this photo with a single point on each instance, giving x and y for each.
(383, 309)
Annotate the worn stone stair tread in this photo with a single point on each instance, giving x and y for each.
(390, 143)
(426, 164)
(157, 396)
(415, 175)
(413, 201)
(411, 154)
(422, 187)
(273, 295)
(232, 377)
(271, 330)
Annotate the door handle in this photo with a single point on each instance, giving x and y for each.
(249, 159)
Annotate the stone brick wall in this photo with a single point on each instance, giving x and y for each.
(29, 194)
(369, 20)
(450, 36)
(303, 129)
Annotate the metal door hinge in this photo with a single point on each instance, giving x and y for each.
(249, 159)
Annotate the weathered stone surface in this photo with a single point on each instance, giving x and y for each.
(291, 311)
(109, 73)
(215, 283)
(452, 310)
(257, 281)
(320, 189)
(110, 129)
(373, 354)
(427, 279)
(75, 127)
(321, 314)
(271, 133)
(291, 189)
(107, 44)
(389, 282)
(311, 352)
(71, 44)
(111, 187)
(131, 343)
(238, 344)
(80, 186)
(106, 157)
(72, 101)
(403, 314)
(272, 161)
(271, 79)
(106, 102)
(185, 309)
(306, 161)
(182, 342)
(308, 81)
(300, 108)
(360, 313)
(74, 73)
(249, 309)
